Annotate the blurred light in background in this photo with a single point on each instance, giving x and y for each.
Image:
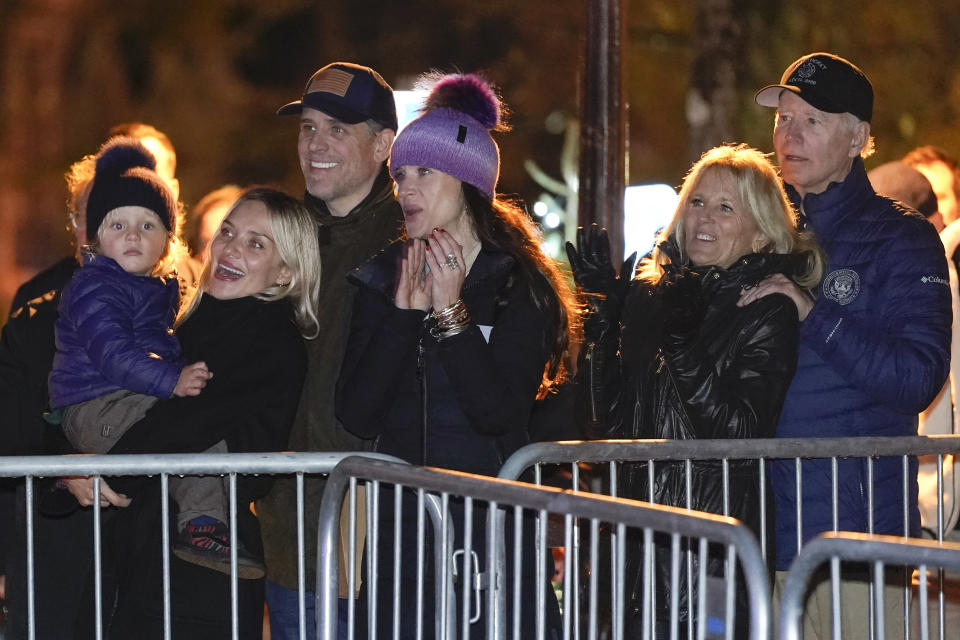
(647, 208)
(408, 106)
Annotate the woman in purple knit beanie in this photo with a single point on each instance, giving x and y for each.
(457, 329)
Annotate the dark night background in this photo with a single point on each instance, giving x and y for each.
(211, 73)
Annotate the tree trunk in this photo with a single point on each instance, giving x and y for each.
(712, 97)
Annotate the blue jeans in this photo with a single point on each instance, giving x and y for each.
(283, 605)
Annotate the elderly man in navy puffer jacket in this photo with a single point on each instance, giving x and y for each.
(874, 341)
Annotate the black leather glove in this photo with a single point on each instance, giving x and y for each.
(593, 272)
(592, 266)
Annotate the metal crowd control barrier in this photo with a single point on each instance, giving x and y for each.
(164, 466)
(615, 452)
(879, 552)
(742, 559)
(607, 456)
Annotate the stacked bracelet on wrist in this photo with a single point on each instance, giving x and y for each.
(451, 320)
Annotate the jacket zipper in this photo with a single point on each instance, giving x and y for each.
(676, 389)
(588, 358)
(421, 371)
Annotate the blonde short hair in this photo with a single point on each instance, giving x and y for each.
(761, 191)
(295, 234)
(173, 250)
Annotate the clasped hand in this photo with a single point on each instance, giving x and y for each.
(445, 271)
(82, 489)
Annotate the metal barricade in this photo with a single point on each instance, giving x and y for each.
(165, 466)
(508, 505)
(879, 553)
(605, 459)
(614, 453)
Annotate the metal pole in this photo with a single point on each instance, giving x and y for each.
(603, 117)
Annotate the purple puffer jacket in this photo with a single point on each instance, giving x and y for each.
(113, 333)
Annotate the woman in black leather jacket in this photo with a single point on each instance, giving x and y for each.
(672, 354)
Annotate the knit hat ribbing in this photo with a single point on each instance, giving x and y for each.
(125, 176)
(453, 133)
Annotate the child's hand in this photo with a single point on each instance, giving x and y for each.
(193, 378)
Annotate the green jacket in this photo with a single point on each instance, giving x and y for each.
(345, 242)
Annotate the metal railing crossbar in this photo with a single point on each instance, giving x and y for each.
(659, 450)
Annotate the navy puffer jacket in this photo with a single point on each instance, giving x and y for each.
(874, 351)
(113, 333)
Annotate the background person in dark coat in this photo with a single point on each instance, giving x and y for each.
(671, 355)
(471, 291)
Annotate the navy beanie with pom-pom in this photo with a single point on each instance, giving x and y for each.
(453, 134)
(125, 176)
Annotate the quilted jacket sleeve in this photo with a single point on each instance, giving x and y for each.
(102, 317)
(899, 355)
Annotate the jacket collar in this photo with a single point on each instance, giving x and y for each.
(380, 272)
(747, 270)
(754, 267)
(381, 191)
(111, 266)
(824, 210)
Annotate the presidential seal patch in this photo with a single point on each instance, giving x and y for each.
(806, 70)
(841, 286)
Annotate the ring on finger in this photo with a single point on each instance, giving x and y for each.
(452, 261)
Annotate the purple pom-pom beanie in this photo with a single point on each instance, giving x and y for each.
(449, 139)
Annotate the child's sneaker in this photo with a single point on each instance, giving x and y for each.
(206, 541)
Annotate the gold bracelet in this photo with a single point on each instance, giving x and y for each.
(452, 315)
(451, 320)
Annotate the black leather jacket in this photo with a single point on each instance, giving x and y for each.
(687, 362)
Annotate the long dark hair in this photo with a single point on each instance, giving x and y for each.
(505, 225)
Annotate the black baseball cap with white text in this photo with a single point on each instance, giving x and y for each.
(825, 81)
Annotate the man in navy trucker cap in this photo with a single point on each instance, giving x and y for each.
(347, 121)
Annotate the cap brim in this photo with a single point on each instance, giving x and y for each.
(329, 106)
(290, 108)
(333, 107)
(769, 96)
